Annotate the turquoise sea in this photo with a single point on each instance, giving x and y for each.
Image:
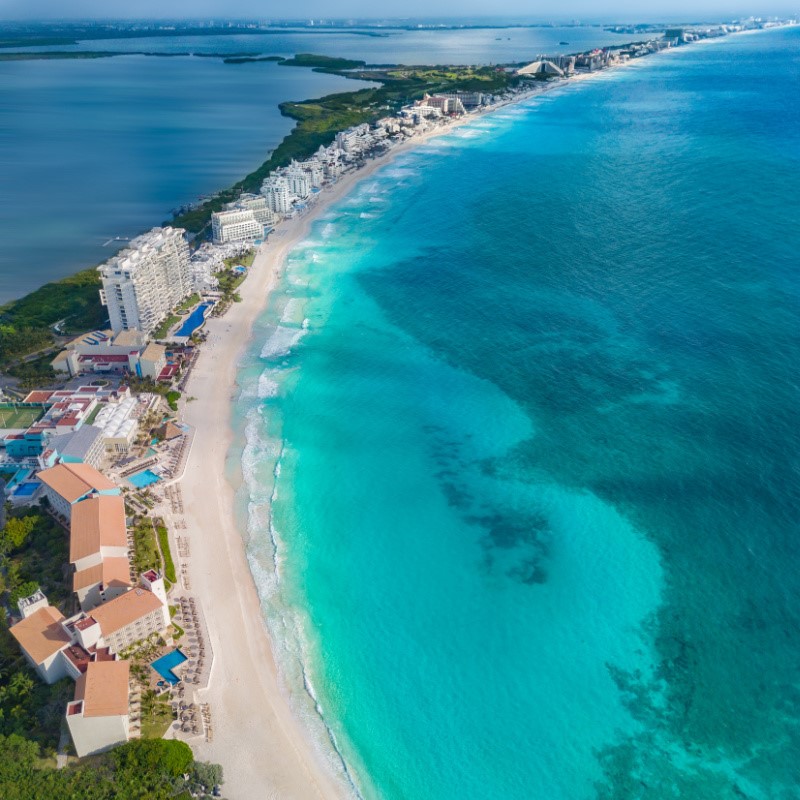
(520, 443)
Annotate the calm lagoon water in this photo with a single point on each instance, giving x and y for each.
(519, 441)
(97, 149)
(91, 150)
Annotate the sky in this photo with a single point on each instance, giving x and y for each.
(265, 9)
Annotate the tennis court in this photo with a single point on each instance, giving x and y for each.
(12, 416)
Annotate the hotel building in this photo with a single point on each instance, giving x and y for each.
(235, 226)
(277, 194)
(98, 549)
(98, 717)
(68, 484)
(143, 283)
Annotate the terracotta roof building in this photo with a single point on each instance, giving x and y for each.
(41, 638)
(67, 484)
(98, 716)
(131, 617)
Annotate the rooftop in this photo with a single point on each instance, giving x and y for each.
(125, 609)
(103, 688)
(41, 634)
(114, 571)
(78, 443)
(73, 481)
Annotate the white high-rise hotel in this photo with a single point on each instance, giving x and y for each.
(146, 280)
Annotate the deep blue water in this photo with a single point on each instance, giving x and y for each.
(522, 491)
(91, 150)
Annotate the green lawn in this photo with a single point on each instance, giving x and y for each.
(11, 417)
(163, 329)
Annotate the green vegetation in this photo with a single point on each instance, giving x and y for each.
(172, 399)
(56, 55)
(243, 58)
(191, 301)
(25, 324)
(321, 63)
(145, 549)
(318, 121)
(34, 373)
(34, 551)
(14, 416)
(244, 260)
(157, 715)
(169, 564)
(163, 329)
(144, 769)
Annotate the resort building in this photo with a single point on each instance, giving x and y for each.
(130, 617)
(235, 226)
(68, 484)
(258, 205)
(42, 637)
(143, 283)
(100, 352)
(276, 192)
(98, 716)
(120, 421)
(84, 446)
(298, 181)
(152, 361)
(98, 549)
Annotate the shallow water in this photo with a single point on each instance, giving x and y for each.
(520, 438)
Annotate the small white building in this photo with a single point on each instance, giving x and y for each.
(98, 717)
(152, 360)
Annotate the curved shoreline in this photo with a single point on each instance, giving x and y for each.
(265, 749)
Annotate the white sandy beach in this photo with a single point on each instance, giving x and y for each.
(264, 750)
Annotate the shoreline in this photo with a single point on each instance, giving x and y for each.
(285, 761)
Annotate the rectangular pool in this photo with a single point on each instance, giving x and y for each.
(164, 666)
(144, 478)
(27, 489)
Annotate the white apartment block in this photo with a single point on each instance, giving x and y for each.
(235, 226)
(258, 205)
(144, 282)
(277, 194)
(314, 171)
(298, 181)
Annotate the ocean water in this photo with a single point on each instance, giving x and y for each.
(518, 441)
(97, 149)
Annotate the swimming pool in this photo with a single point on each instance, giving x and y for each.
(164, 666)
(194, 320)
(27, 489)
(144, 478)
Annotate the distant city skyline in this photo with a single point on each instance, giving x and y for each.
(231, 9)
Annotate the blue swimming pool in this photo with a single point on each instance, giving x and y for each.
(27, 489)
(144, 478)
(194, 320)
(164, 666)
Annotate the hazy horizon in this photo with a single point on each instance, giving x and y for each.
(582, 10)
